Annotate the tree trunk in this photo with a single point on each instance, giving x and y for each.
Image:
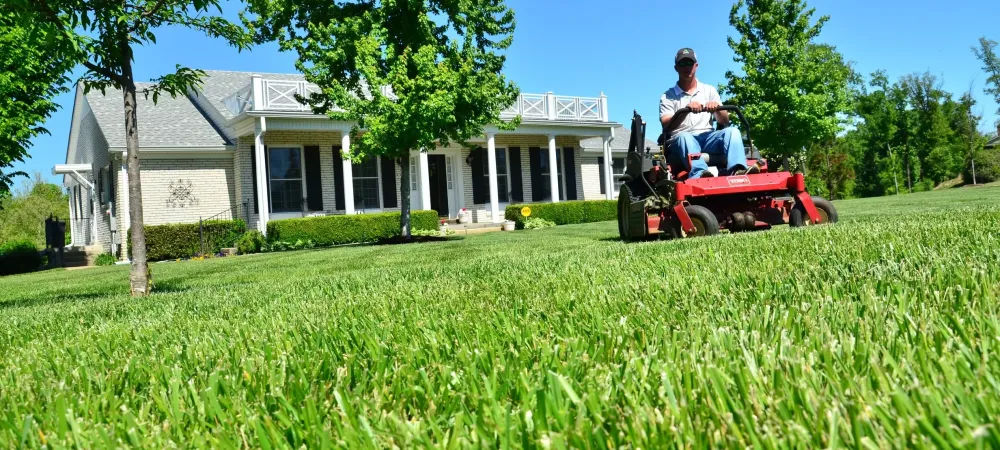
(404, 197)
(140, 277)
(829, 177)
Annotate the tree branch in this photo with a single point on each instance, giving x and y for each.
(54, 18)
(105, 72)
(156, 8)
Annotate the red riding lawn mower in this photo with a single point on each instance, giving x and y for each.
(659, 201)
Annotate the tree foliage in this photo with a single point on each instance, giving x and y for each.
(911, 135)
(986, 52)
(104, 33)
(32, 74)
(792, 88)
(410, 74)
(23, 213)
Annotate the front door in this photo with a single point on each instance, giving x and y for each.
(437, 174)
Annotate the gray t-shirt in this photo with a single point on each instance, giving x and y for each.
(675, 98)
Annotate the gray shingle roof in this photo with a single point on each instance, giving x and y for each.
(217, 85)
(618, 143)
(171, 122)
(995, 142)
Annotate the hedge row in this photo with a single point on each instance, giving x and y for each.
(19, 257)
(181, 240)
(347, 229)
(563, 213)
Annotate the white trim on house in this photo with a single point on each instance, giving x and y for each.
(226, 148)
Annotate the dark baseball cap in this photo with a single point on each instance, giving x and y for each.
(685, 53)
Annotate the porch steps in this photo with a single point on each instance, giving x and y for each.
(81, 256)
(472, 228)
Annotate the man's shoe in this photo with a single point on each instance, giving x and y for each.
(749, 170)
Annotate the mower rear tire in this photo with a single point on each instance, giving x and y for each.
(624, 201)
(827, 213)
(705, 223)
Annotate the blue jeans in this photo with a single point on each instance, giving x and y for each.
(726, 141)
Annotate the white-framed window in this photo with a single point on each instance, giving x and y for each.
(617, 170)
(450, 179)
(367, 189)
(414, 182)
(547, 174)
(503, 177)
(286, 178)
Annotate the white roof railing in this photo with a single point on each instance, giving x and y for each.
(271, 95)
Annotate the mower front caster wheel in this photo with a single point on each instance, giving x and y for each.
(704, 221)
(827, 213)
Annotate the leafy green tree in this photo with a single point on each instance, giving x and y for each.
(831, 168)
(31, 75)
(794, 89)
(23, 214)
(991, 65)
(410, 74)
(105, 33)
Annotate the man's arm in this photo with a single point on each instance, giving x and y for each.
(714, 102)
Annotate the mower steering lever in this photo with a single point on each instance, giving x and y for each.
(733, 108)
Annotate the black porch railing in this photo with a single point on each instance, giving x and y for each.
(223, 229)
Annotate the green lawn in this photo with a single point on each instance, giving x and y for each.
(881, 331)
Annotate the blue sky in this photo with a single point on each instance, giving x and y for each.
(625, 49)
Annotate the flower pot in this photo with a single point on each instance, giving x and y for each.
(464, 217)
(443, 229)
(509, 225)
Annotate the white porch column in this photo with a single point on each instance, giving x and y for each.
(345, 143)
(72, 219)
(491, 159)
(95, 212)
(124, 212)
(553, 169)
(425, 181)
(263, 190)
(608, 181)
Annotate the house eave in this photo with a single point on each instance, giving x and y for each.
(191, 149)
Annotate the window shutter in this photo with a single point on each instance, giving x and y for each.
(100, 186)
(314, 179)
(388, 182)
(480, 191)
(111, 186)
(569, 159)
(538, 188)
(516, 185)
(253, 182)
(600, 168)
(338, 177)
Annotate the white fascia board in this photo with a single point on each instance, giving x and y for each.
(558, 129)
(199, 149)
(66, 169)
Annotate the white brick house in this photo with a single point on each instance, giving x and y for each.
(242, 141)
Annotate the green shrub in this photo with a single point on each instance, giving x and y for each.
(20, 256)
(987, 167)
(537, 223)
(105, 259)
(251, 242)
(563, 213)
(181, 240)
(346, 229)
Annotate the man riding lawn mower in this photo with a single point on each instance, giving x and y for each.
(704, 179)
